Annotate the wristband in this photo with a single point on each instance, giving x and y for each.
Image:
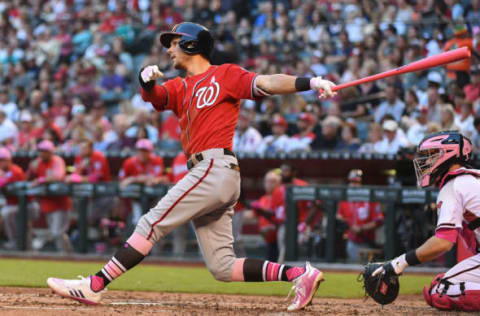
(411, 258)
(302, 84)
(145, 85)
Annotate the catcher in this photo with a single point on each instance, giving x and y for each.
(442, 162)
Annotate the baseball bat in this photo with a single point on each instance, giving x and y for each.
(425, 63)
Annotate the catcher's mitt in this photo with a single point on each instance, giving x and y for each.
(383, 288)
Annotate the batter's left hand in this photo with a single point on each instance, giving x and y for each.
(324, 87)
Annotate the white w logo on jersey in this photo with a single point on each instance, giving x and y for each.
(206, 96)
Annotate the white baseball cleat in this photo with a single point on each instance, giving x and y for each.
(305, 287)
(79, 290)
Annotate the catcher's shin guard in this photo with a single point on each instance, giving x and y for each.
(448, 296)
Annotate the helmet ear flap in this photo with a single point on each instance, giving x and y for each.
(206, 42)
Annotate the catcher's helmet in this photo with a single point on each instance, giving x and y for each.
(437, 152)
(194, 38)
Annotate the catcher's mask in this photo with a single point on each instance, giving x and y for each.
(437, 152)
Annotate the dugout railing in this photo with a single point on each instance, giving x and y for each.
(330, 195)
(81, 192)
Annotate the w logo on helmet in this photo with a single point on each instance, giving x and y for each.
(207, 96)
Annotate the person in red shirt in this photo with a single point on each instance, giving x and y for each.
(361, 217)
(472, 90)
(143, 168)
(90, 167)
(207, 103)
(47, 168)
(179, 167)
(305, 209)
(9, 173)
(267, 224)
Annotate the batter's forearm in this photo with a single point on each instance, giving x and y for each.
(276, 84)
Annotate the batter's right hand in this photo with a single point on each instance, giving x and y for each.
(150, 73)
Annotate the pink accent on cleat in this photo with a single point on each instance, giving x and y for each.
(305, 287)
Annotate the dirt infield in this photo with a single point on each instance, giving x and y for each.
(25, 301)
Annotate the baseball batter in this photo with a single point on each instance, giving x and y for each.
(442, 163)
(206, 102)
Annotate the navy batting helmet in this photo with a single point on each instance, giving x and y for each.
(194, 38)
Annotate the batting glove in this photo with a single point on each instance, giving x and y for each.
(324, 87)
(148, 75)
(396, 266)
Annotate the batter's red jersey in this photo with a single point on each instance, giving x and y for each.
(265, 202)
(278, 202)
(43, 169)
(360, 213)
(95, 167)
(207, 105)
(134, 167)
(13, 174)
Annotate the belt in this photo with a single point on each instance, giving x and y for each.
(196, 158)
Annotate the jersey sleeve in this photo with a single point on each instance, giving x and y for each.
(240, 83)
(449, 208)
(164, 96)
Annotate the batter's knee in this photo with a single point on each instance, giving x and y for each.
(222, 268)
(144, 228)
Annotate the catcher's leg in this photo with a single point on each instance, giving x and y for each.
(458, 289)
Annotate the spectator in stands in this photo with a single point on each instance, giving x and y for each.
(116, 138)
(59, 110)
(45, 169)
(305, 136)
(278, 141)
(375, 135)
(464, 120)
(84, 89)
(9, 107)
(143, 168)
(97, 116)
(9, 173)
(28, 134)
(472, 90)
(262, 208)
(113, 86)
(349, 141)
(432, 97)
(393, 139)
(329, 138)
(447, 122)
(362, 219)
(72, 145)
(392, 105)
(418, 130)
(476, 135)
(142, 122)
(459, 70)
(8, 129)
(246, 138)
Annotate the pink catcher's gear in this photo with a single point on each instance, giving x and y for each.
(437, 152)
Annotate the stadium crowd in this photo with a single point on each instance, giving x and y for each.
(69, 69)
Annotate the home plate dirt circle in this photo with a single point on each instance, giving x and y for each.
(25, 301)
